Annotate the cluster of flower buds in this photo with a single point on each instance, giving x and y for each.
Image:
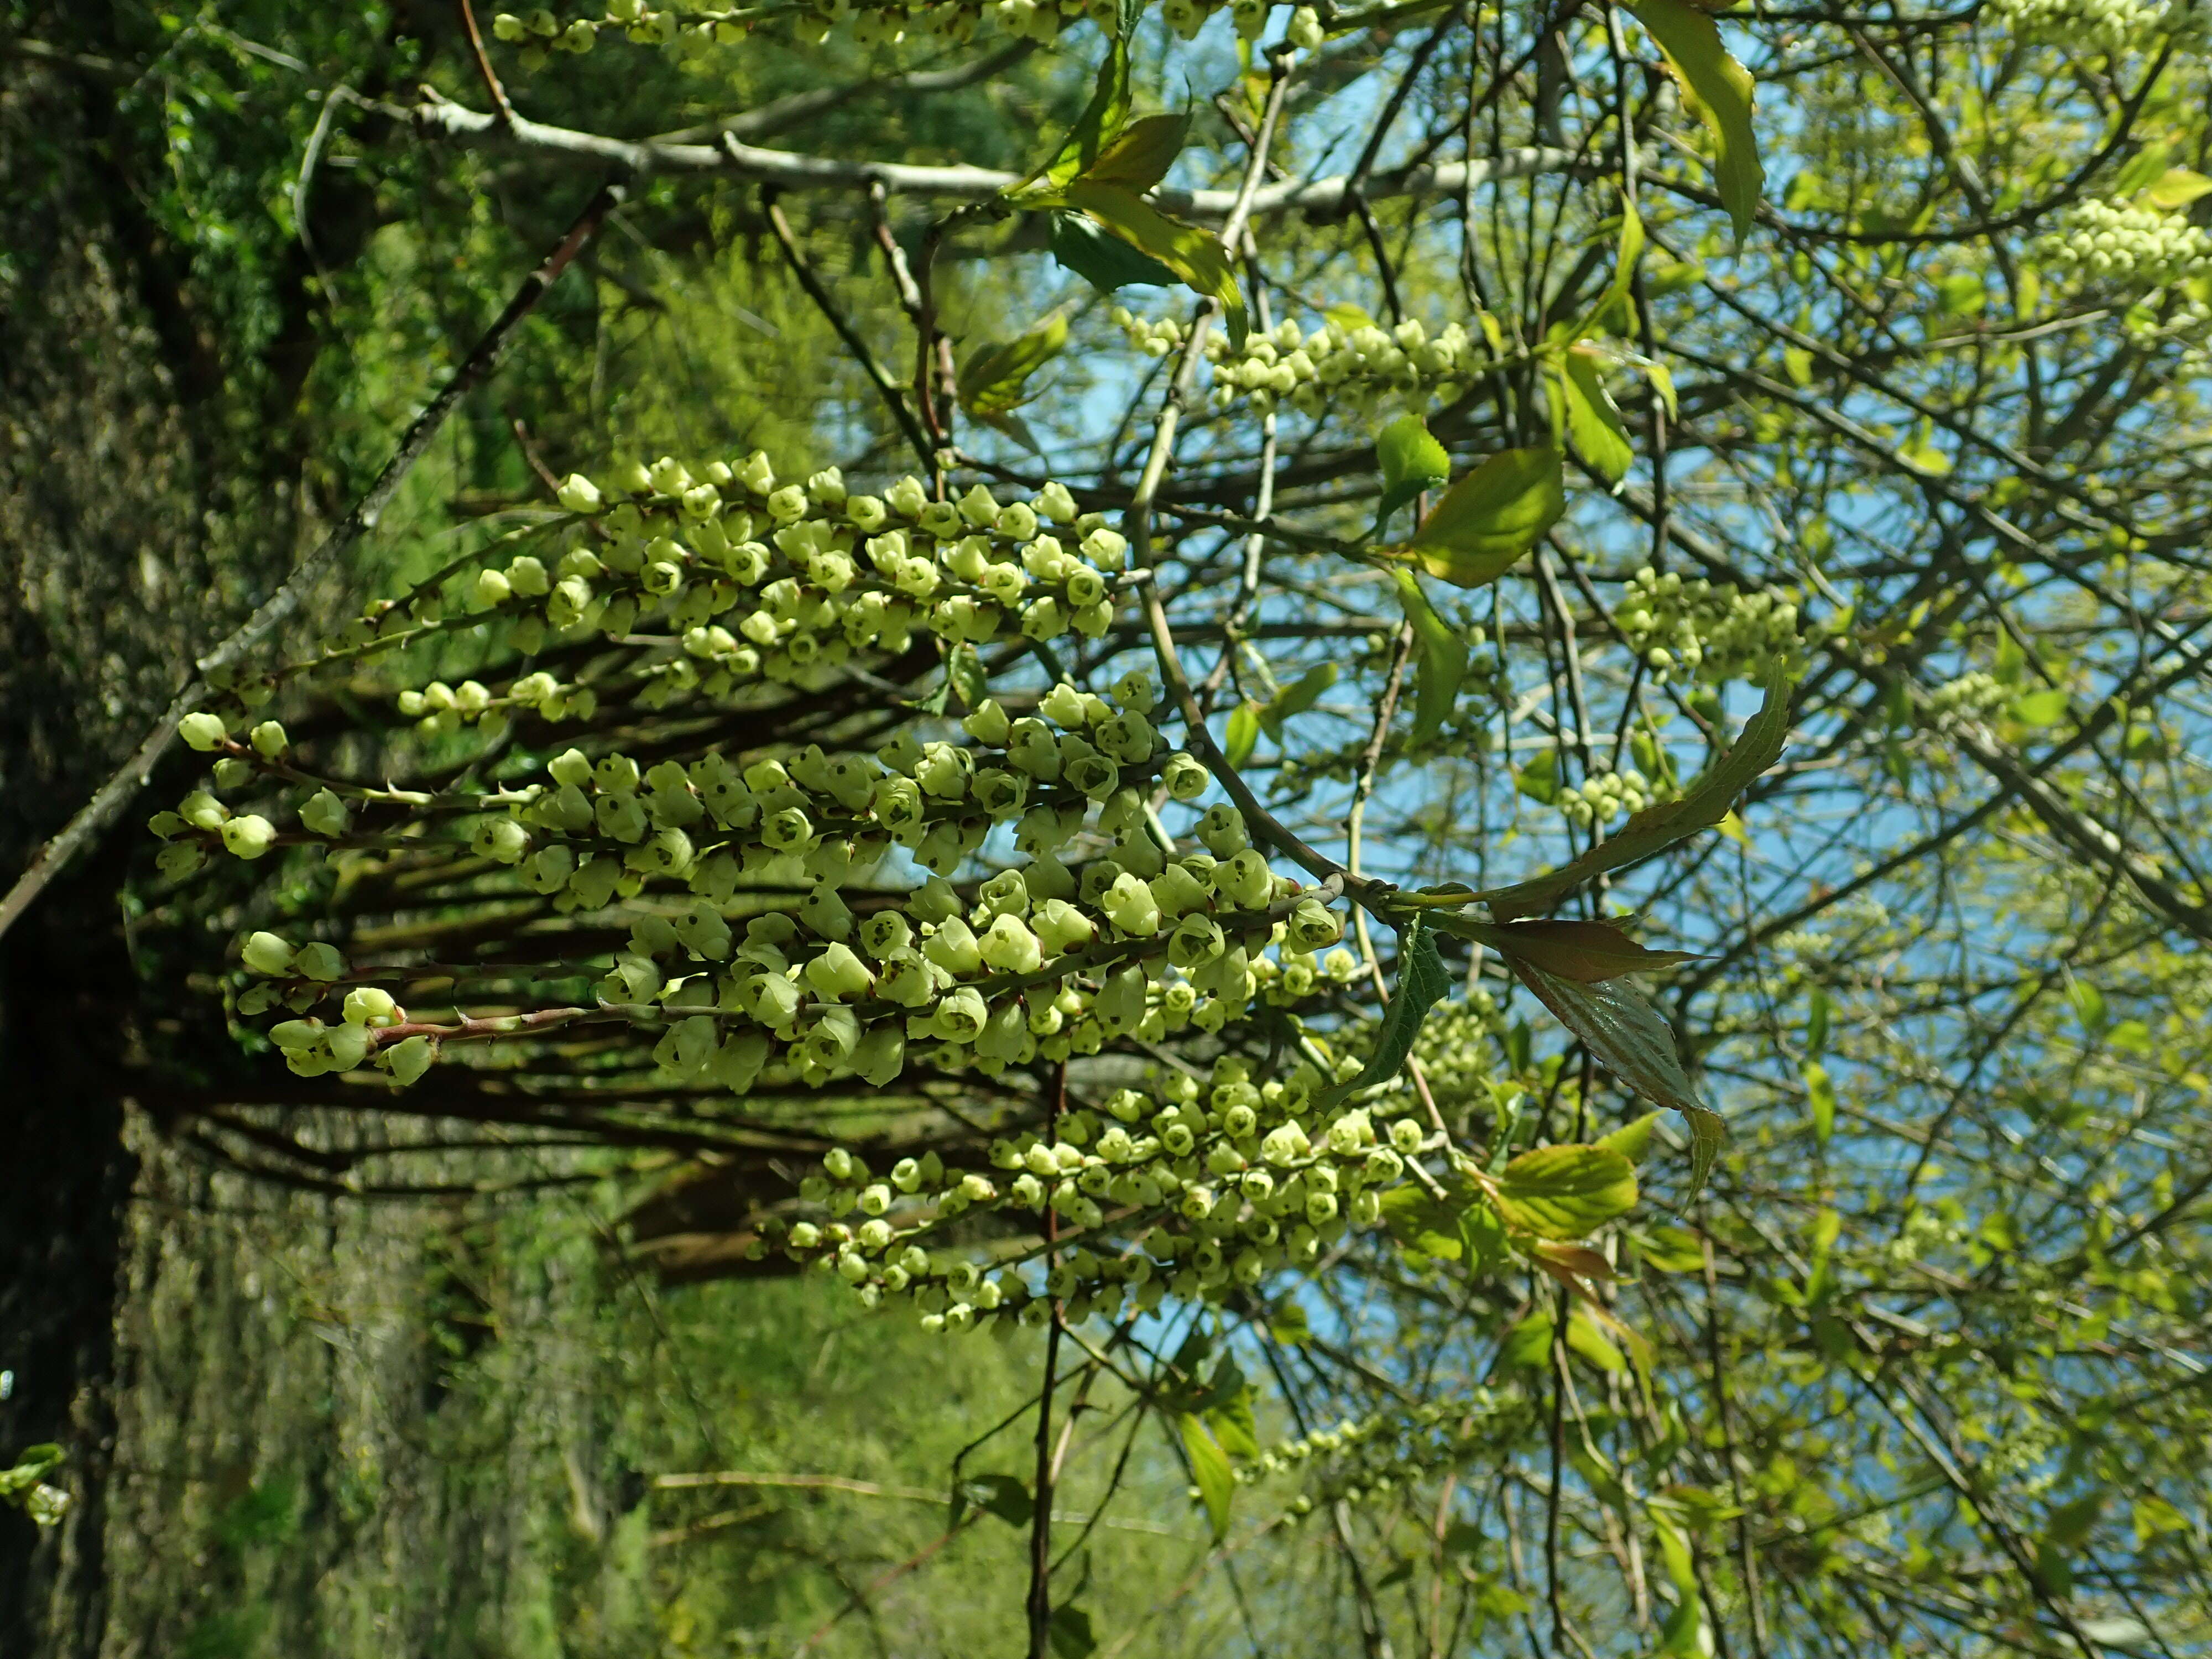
(2133, 247)
(1696, 631)
(1604, 796)
(1194, 1188)
(369, 1022)
(693, 29)
(2110, 27)
(1370, 1457)
(1350, 366)
(1972, 696)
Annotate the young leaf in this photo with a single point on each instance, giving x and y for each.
(1209, 1469)
(1412, 461)
(1565, 1192)
(1720, 92)
(1441, 665)
(1140, 154)
(1422, 981)
(1594, 422)
(1491, 517)
(1421, 1223)
(1820, 1095)
(1002, 1495)
(1243, 734)
(1816, 1023)
(1704, 804)
(1105, 262)
(1631, 1140)
(1102, 120)
(1528, 1344)
(1298, 697)
(1195, 255)
(1234, 1425)
(1628, 1038)
(2176, 188)
(1586, 950)
(991, 381)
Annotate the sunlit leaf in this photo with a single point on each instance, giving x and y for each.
(1195, 255)
(1585, 950)
(1440, 663)
(1140, 155)
(1487, 521)
(1412, 461)
(1593, 420)
(1565, 1192)
(1422, 981)
(993, 379)
(1209, 1469)
(1243, 734)
(1298, 696)
(1719, 91)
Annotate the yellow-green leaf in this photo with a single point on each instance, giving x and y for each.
(2176, 188)
(1491, 517)
(1298, 697)
(991, 381)
(1820, 1095)
(1441, 665)
(1195, 255)
(1243, 734)
(1209, 1470)
(1720, 92)
(1632, 1139)
(1565, 1192)
(1594, 422)
(1140, 155)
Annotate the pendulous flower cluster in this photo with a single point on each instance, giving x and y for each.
(2109, 27)
(1350, 366)
(1697, 631)
(2126, 245)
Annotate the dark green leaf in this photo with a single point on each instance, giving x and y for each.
(1140, 154)
(1585, 950)
(1002, 1495)
(1105, 262)
(1565, 1192)
(1422, 981)
(1070, 1632)
(1628, 1036)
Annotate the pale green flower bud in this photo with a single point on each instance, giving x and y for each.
(1313, 925)
(201, 730)
(1010, 947)
(1305, 32)
(1244, 879)
(826, 913)
(999, 792)
(1340, 964)
(1061, 927)
(988, 724)
(1285, 1144)
(324, 814)
(1063, 705)
(1221, 827)
(880, 1054)
(267, 954)
(249, 835)
(1196, 940)
(1130, 906)
(185, 859)
(1094, 775)
(953, 947)
(203, 811)
(268, 740)
(1405, 1137)
(578, 494)
(1032, 749)
(960, 1016)
(837, 975)
(1054, 502)
(296, 1034)
(1128, 736)
(491, 588)
(368, 1004)
(935, 900)
(502, 840)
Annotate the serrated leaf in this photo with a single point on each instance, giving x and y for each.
(1296, 698)
(1195, 255)
(1703, 804)
(1628, 1036)
(1209, 1469)
(1140, 155)
(1243, 734)
(1631, 1140)
(1719, 91)
(1105, 262)
(1565, 1192)
(1422, 981)
(1585, 950)
(1491, 517)
(1593, 420)
(991, 381)
(1440, 666)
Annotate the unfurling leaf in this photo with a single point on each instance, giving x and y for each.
(991, 381)
(1441, 665)
(1593, 421)
(1422, 981)
(1195, 256)
(1703, 804)
(1565, 1192)
(1586, 950)
(1243, 733)
(964, 672)
(1411, 460)
(1209, 1470)
(1627, 1036)
(1298, 697)
(1105, 262)
(1720, 92)
(1140, 154)
(1491, 517)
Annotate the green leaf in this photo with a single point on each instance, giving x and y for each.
(1243, 734)
(1594, 422)
(1565, 1192)
(1703, 804)
(1234, 1425)
(1441, 665)
(1584, 1338)
(1631, 1140)
(1071, 1633)
(963, 672)
(1105, 262)
(1630, 251)
(1422, 981)
(1491, 517)
(2040, 708)
(1209, 1469)
(1585, 950)
(1628, 1036)
(1102, 120)
(1289, 1326)
(1720, 92)
(2148, 163)
(1002, 1495)
(1298, 697)
(1539, 779)
(1816, 1023)
(1422, 1222)
(1195, 255)
(1140, 154)
(991, 381)
(2176, 188)
(1820, 1095)
(1528, 1344)
(1412, 461)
